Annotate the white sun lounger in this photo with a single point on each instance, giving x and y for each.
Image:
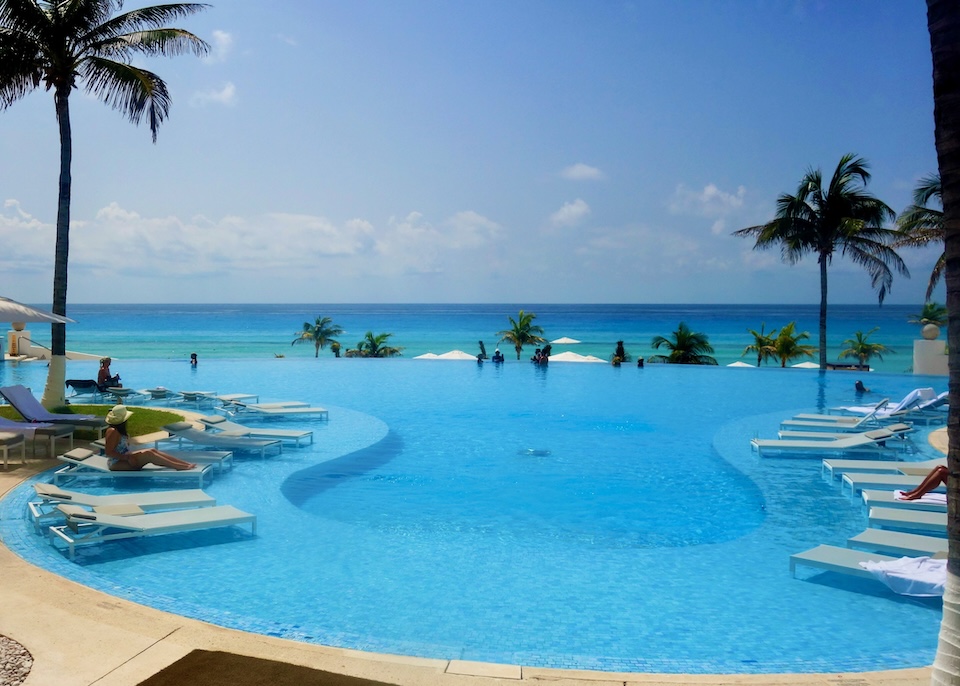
(84, 463)
(908, 520)
(228, 398)
(833, 558)
(221, 459)
(842, 420)
(899, 430)
(39, 431)
(225, 427)
(911, 399)
(185, 431)
(930, 502)
(49, 496)
(865, 442)
(856, 482)
(898, 543)
(836, 467)
(85, 527)
(158, 393)
(278, 409)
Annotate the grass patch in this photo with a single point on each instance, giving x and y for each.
(145, 420)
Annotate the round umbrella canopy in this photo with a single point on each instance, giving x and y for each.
(806, 365)
(12, 311)
(738, 363)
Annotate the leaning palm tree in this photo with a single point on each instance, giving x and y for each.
(943, 23)
(861, 349)
(320, 333)
(762, 344)
(787, 345)
(522, 332)
(839, 217)
(931, 313)
(921, 225)
(686, 347)
(63, 44)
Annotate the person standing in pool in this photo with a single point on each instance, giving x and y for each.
(193, 360)
(119, 455)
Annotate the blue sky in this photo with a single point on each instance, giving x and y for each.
(477, 151)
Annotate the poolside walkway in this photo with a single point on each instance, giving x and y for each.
(81, 637)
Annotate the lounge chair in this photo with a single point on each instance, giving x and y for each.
(49, 496)
(185, 431)
(930, 502)
(84, 463)
(228, 398)
(833, 558)
(39, 431)
(830, 423)
(198, 398)
(83, 387)
(842, 419)
(898, 543)
(856, 482)
(911, 399)
(898, 429)
(282, 409)
(86, 527)
(224, 427)
(30, 408)
(865, 442)
(836, 467)
(221, 459)
(908, 520)
(11, 440)
(158, 393)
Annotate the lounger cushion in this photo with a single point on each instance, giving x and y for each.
(78, 454)
(51, 490)
(124, 509)
(76, 511)
(178, 426)
(213, 419)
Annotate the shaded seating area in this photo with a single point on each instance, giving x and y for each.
(85, 527)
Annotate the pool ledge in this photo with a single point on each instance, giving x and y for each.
(80, 637)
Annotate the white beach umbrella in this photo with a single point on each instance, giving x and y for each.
(12, 311)
(565, 341)
(457, 355)
(806, 365)
(568, 356)
(426, 356)
(739, 363)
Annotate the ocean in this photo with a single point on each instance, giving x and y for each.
(231, 331)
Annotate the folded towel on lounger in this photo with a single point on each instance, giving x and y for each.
(914, 576)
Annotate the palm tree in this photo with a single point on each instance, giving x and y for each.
(921, 225)
(861, 349)
(787, 345)
(943, 23)
(687, 347)
(62, 44)
(932, 313)
(321, 332)
(522, 332)
(762, 344)
(375, 346)
(826, 219)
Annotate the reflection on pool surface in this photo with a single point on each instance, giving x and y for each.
(579, 516)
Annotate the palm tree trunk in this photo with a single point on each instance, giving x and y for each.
(823, 311)
(943, 22)
(53, 393)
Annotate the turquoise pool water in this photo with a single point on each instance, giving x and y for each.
(579, 516)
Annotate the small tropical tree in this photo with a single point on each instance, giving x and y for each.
(66, 43)
(787, 345)
(375, 346)
(762, 344)
(922, 225)
(932, 313)
(862, 350)
(686, 347)
(823, 219)
(320, 333)
(522, 332)
(620, 354)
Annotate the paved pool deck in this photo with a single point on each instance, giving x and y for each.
(82, 637)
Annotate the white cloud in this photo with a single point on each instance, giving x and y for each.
(581, 172)
(289, 40)
(412, 245)
(220, 48)
(225, 96)
(570, 214)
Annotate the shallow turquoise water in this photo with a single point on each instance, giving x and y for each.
(641, 534)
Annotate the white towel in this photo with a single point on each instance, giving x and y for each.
(932, 498)
(914, 576)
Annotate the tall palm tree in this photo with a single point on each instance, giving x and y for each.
(839, 217)
(686, 347)
(861, 349)
(943, 23)
(762, 344)
(63, 44)
(787, 345)
(921, 225)
(321, 333)
(375, 346)
(522, 332)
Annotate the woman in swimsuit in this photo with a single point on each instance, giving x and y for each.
(122, 459)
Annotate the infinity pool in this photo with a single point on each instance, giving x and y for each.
(578, 516)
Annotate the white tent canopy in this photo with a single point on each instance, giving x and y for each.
(568, 356)
(565, 341)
